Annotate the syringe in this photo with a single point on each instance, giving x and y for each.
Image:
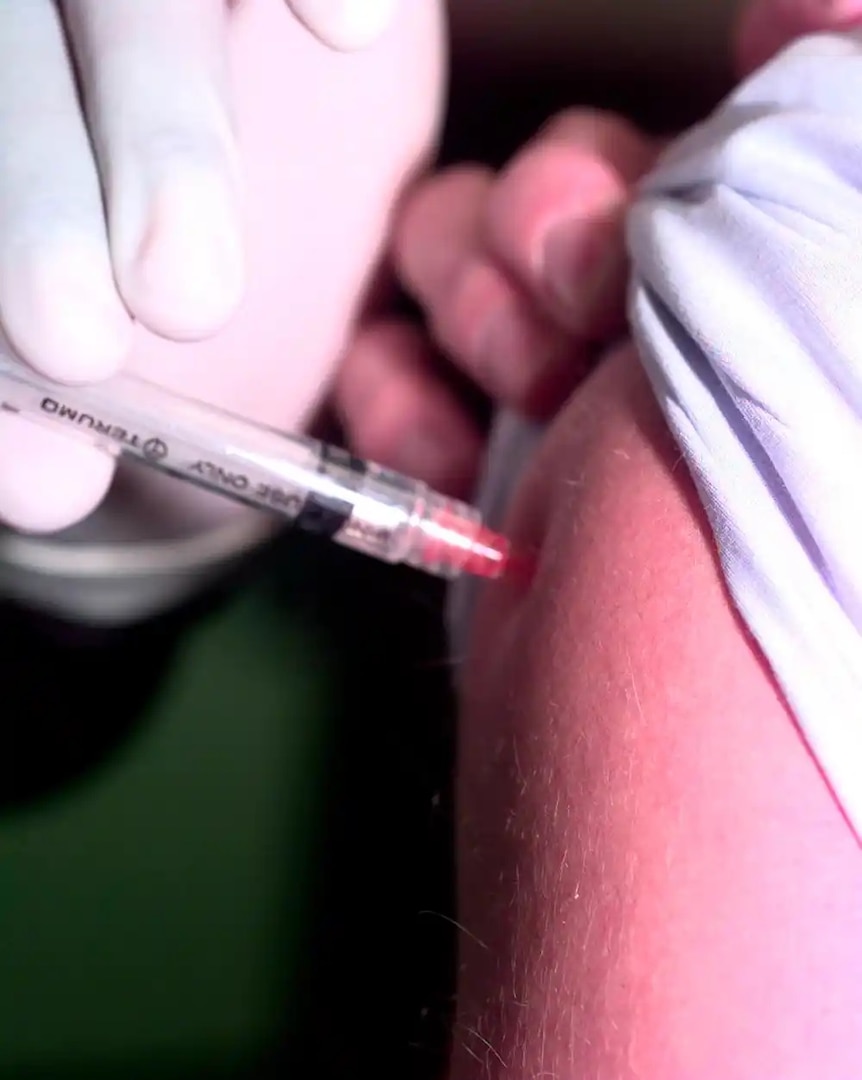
(317, 488)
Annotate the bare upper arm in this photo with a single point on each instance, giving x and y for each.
(660, 880)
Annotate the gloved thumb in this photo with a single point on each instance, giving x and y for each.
(346, 25)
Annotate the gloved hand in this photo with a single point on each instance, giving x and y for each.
(119, 187)
(345, 24)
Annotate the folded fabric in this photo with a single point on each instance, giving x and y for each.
(746, 306)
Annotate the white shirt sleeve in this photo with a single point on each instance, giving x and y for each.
(746, 306)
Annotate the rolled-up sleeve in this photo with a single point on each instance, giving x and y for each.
(746, 306)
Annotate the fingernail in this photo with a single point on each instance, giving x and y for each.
(579, 258)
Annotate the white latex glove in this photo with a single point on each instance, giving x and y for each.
(345, 24)
(120, 209)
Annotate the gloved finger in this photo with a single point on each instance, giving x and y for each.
(556, 218)
(767, 26)
(48, 481)
(346, 24)
(59, 306)
(398, 411)
(155, 86)
(485, 323)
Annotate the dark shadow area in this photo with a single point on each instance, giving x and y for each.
(492, 115)
(64, 716)
(375, 989)
(374, 984)
(78, 693)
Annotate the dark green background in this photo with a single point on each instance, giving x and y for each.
(241, 864)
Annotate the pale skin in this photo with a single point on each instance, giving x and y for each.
(654, 878)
